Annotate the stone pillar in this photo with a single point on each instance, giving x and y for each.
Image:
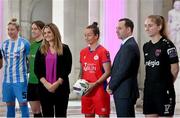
(58, 15)
(113, 11)
(75, 21)
(1, 33)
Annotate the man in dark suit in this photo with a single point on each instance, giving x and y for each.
(123, 84)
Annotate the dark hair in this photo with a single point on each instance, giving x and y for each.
(39, 24)
(159, 20)
(128, 23)
(94, 28)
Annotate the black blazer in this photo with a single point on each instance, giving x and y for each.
(63, 69)
(124, 71)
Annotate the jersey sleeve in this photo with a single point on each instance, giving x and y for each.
(27, 47)
(172, 53)
(105, 56)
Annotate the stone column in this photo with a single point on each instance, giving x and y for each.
(75, 21)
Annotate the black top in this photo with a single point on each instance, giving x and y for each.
(158, 60)
(64, 64)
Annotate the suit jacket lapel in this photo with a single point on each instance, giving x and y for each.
(117, 55)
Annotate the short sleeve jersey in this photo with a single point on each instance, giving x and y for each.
(158, 60)
(33, 49)
(92, 62)
(15, 54)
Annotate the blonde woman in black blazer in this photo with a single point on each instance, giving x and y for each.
(54, 94)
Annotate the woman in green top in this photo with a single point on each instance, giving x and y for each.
(33, 92)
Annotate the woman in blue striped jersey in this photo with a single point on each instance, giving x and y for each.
(15, 51)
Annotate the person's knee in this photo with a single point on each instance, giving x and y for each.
(36, 108)
(10, 103)
(22, 103)
(89, 115)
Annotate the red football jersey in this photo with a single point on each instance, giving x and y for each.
(92, 62)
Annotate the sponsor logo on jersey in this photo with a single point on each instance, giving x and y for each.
(152, 63)
(172, 52)
(157, 52)
(89, 67)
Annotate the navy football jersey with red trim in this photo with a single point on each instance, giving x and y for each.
(158, 60)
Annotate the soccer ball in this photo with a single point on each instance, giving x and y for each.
(80, 87)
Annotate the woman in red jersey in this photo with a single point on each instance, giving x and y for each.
(95, 68)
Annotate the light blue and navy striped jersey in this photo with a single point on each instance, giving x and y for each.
(15, 53)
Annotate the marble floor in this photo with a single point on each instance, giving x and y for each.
(74, 110)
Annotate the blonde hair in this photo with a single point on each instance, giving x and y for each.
(159, 21)
(14, 22)
(57, 40)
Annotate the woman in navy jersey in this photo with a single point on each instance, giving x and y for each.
(161, 63)
(52, 67)
(95, 68)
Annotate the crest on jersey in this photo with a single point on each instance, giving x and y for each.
(172, 52)
(96, 57)
(157, 52)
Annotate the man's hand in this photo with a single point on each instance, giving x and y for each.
(108, 90)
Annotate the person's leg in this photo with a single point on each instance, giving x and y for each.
(34, 99)
(47, 103)
(151, 115)
(87, 107)
(47, 108)
(36, 108)
(20, 90)
(166, 103)
(9, 98)
(124, 108)
(149, 104)
(102, 103)
(104, 116)
(10, 109)
(24, 109)
(61, 104)
(89, 115)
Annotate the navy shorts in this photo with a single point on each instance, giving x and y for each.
(159, 101)
(33, 92)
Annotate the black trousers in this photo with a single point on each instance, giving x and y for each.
(125, 107)
(54, 104)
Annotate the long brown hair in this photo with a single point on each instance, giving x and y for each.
(57, 40)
